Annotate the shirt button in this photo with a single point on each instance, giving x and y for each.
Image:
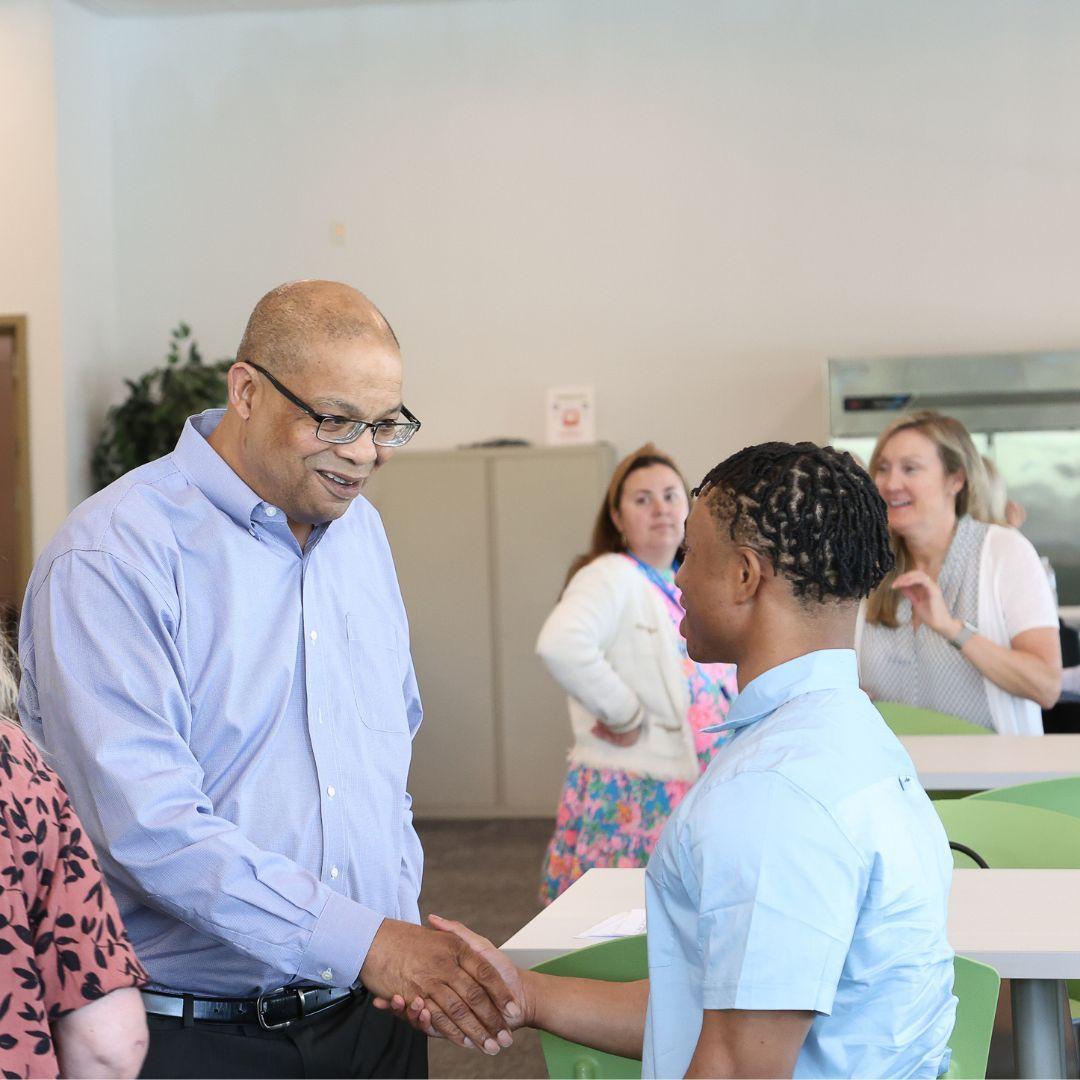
(331, 791)
(271, 511)
(327, 974)
(334, 872)
(314, 635)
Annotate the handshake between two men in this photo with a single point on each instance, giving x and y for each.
(447, 982)
(451, 983)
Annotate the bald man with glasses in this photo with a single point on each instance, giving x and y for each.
(216, 657)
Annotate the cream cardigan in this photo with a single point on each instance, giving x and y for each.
(611, 646)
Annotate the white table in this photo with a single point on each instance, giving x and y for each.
(1023, 923)
(981, 762)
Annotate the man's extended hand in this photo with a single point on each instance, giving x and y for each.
(466, 997)
(418, 1012)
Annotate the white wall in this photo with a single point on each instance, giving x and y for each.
(689, 203)
(29, 241)
(92, 368)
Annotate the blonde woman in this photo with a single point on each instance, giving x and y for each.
(69, 1003)
(966, 624)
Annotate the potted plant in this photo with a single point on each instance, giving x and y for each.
(147, 424)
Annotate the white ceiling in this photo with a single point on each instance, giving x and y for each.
(198, 7)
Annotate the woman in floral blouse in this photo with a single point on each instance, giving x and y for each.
(69, 999)
(640, 708)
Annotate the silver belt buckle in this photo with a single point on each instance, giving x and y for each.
(261, 1005)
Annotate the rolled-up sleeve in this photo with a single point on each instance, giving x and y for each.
(779, 889)
(109, 702)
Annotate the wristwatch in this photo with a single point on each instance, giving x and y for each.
(963, 635)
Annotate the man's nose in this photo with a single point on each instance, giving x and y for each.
(361, 451)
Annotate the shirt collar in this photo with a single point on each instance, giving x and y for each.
(826, 669)
(208, 470)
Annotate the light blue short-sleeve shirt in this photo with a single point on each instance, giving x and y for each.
(806, 870)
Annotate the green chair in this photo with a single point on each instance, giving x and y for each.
(1061, 796)
(1011, 836)
(1015, 836)
(911, 720)
(621, 960)
(976, 988)
(626, 960)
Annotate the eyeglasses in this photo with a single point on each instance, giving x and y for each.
(341, 429)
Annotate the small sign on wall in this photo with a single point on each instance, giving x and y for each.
(571, 415)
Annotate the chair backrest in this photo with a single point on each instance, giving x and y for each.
(626, 960)
(1010, 836)
(976, 986)
(1015, 835)
(621, 960)
(1061, 796)
(911, 720)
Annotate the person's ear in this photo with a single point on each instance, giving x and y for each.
(954, 482)
(750, 569)
(241, 389)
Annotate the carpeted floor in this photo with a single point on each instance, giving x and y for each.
(487, 874)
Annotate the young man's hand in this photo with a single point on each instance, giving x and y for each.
(421, 1012)
(466, 998)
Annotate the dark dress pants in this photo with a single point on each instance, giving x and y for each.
(352, 1039)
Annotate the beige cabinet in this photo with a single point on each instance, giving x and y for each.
(482, 540)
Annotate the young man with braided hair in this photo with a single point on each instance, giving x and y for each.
(797, 898)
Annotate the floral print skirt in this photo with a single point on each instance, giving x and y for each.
(606, 818)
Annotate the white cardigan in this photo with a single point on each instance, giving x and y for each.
(1014, 596)
(610, 644)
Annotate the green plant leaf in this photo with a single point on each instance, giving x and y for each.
(146, 425)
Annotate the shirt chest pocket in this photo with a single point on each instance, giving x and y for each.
(375, 671)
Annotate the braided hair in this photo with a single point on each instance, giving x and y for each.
(811, 511)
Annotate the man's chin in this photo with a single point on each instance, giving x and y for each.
(705, 654)
(696, 654)
(332, 512)
(319, 515)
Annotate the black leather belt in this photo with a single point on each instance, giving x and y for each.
(272, 1011)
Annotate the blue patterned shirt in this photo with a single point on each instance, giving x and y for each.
(233, 718)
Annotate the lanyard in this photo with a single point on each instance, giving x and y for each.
(657, 579)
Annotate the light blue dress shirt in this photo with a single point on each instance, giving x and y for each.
(233, 718)
(805, 870)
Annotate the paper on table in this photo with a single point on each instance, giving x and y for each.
(625, 924)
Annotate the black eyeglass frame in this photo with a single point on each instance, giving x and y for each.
(413, 424)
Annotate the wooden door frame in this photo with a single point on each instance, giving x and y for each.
(16, 325)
